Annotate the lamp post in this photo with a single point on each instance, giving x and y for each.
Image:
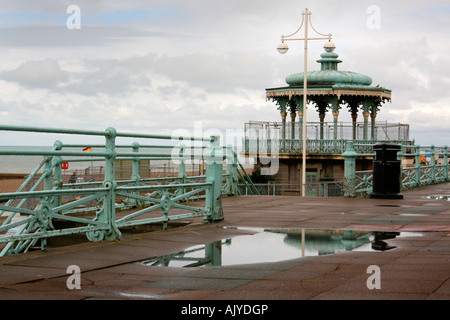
(283, 48)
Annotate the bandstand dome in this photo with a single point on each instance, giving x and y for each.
(329, 75)
(330, 89)
(330, 81)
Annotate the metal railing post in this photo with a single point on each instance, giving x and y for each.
(182, 168)
(433, 164)
(57, 179)
(135, 172)
(232, 175)
(349, 170)
(417, 166)
(107, 213)
(48, 170)
(45, 203)
(214, 167)
(446, 164)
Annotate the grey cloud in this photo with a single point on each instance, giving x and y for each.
(61, 36)
(110, 82)
(100, 79)
(210, 73)
(37, 74)
(406, 67)
(218, 73)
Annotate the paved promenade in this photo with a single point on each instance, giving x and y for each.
(418, 268)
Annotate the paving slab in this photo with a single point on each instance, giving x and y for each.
(196, 283)
(12, 274)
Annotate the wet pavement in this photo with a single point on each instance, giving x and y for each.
(417, 267)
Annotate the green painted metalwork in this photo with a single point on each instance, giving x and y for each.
(424, 172)
(319, 188)
(323, 137)
(144, 200)
(329, 88)
(294, 146)
(248, 183)
(349, 169)
(329, 74)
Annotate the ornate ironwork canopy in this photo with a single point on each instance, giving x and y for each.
(330, 89)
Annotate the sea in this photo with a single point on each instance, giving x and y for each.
(25, 164)
(18, 163)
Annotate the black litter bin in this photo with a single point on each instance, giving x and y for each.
(386, 172)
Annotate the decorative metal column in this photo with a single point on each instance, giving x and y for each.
(354, 118)
(335, 110)
(366, 124)
(373, 116)
(293, 115)
(300, 124)
(321, 119)
(283, 125)
(335, 124)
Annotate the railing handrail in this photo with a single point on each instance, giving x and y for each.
(107, 132)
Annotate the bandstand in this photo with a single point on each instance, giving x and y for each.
(329, 90)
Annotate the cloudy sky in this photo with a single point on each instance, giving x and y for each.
(157, 66)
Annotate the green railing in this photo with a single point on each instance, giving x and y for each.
(425, 165)
(100, 208)
(313, 146)
(332, 188)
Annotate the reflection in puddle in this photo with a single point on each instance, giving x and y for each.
(392, 205)
(439, 197)
(273, 245)
(352, 212)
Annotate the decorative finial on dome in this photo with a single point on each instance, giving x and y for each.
(329, 46)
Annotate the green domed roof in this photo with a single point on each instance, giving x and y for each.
(329, 75)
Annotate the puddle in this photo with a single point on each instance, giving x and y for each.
(439, 197)
(272, 245)
(391, 205)
(352, 213)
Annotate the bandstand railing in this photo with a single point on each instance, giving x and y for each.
(100, 208)
(423, 165)
(313, 146)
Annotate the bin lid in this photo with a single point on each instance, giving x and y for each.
(387, 146)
